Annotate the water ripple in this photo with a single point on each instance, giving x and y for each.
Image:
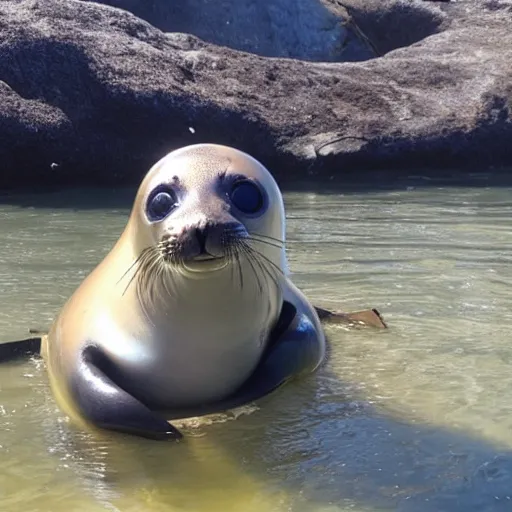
(414, 419)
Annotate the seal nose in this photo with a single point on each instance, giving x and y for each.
(201, 234)
(210, 240)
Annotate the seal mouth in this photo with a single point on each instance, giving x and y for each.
(205, 263)
(206, 256)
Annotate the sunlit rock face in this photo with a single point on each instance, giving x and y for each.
(298, 29)
(94, 93)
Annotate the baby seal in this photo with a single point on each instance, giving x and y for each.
(192, 311)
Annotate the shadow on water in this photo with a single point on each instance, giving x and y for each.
(90, 198)
(343, 454)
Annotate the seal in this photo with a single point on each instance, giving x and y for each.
(193, 310)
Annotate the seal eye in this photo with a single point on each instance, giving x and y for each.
(160, 204)
(246, 196)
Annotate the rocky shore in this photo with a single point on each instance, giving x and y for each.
(94, 92)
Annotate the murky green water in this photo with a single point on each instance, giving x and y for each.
(414, 419)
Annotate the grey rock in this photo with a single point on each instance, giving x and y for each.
(94, 94)
(302, 29)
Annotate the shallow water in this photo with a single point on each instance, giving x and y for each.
(417, 418)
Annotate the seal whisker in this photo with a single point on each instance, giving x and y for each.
(137, 270)
(268, 237)
(271, 273)
(254, 256)
(266, 242)
(268, 260)
(243, 248)
(167, 278)
(135, 262)
(155, 284)
(140, 263)
(229, 255)
(251, 254)
(271, 269)
(239, 265)
(160, 286)
(231, 242)
(235, 263)
(145, 283)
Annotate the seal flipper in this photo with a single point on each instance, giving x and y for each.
(22, 349)
(294, 349)
(104, 404)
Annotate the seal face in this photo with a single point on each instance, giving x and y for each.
(212, 241)
(192, 310)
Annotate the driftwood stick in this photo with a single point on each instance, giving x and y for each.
(364, 318)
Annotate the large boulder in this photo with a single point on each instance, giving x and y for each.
(94, 93)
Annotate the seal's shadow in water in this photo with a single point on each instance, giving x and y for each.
(309, 442)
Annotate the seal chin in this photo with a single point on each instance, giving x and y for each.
(201, 267)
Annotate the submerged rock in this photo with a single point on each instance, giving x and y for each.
(94, 94)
